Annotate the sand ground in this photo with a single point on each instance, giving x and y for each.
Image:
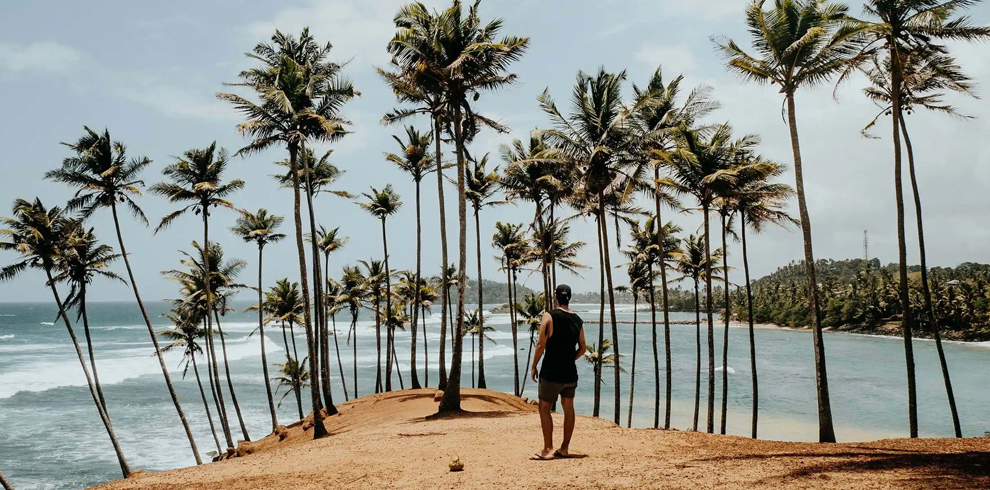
(387, 441)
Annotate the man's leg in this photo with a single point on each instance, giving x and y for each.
(546, 421)
(568, 404)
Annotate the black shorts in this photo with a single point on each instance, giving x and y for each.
(550, 390)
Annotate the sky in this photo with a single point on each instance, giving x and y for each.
(149, 71)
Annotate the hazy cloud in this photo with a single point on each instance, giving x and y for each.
(45, 57)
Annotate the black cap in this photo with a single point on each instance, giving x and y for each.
(563, 294)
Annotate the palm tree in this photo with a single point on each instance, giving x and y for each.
(333, 295)
(478, 330)
(197, 179)
(185, 335)
(316, 175)
(382, 204)
(42, 237)
(5, 484)
(600, 357)
(801, 43)
(329, 242)
(374, 279)
(428, 294)
(481, 187)
(260, 228)
(904, 28)
(694, 262)
(294, 378)
(457, 58)
(638, 282)
(594, 138)
(706, 166)
(81, 262)
(759, 203)
(284, 305)
(657, 116)
(926, 75)
(353, 285)
(531, 309)
(301, 97)
(417, 161)
(511, 240)
(104, 178)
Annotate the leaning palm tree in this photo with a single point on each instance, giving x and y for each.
(759, 203)
(185, 335)
(902, 29)
(416, 160)
(373, 288)
(334, 306)
(260, 228)
(294, 378)
(284, 305)
(382, 204)
(481, 188)
(511, 240)
(594, 138)
(328, 243)
(801, 43)
(197, 179)
(5, 484)
(84, 260)
(457, 58)
(104, 178)
(926, 75)
(42, 236)
(301, 94)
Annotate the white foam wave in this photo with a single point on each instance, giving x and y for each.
(6, 337)
(730, 370)
(125, 364)
(47, 323)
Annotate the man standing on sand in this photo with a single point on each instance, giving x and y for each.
(562, 339)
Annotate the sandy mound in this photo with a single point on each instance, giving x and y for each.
(387, 441)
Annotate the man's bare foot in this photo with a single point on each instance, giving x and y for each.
(545, 455)
(562, 453)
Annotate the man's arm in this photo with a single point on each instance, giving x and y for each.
(546, 330)
(582, 346)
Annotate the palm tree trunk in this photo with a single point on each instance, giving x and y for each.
(632, 372)
(907, 320)
(261, 331)
(389, 329)
(211, 345)
(336, 344)
(395, 359)
(444, 303)
(89, 345)
(451, 401)
(515, 339)
(601, 324)
(666, 307)
(697, 382)
(752, 333)
(711, 321)
(925, 286)
(426, 349)
(206, 404)
(354, 328)
(656, 352)
(378, 342)
(529, 357)
(319, 430)
(725, 340)
(5, 484)
(481, 306)
(154, 337)
(319, 346)
(826, 431)
(285, 340)
(611, 301)
(209, 375)
(472, 360)
(413, 375)
(230, 382)
(298, 381)
(124, 468)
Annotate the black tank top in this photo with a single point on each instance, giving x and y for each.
(559, 364)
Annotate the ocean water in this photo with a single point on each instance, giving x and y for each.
(51, 436)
